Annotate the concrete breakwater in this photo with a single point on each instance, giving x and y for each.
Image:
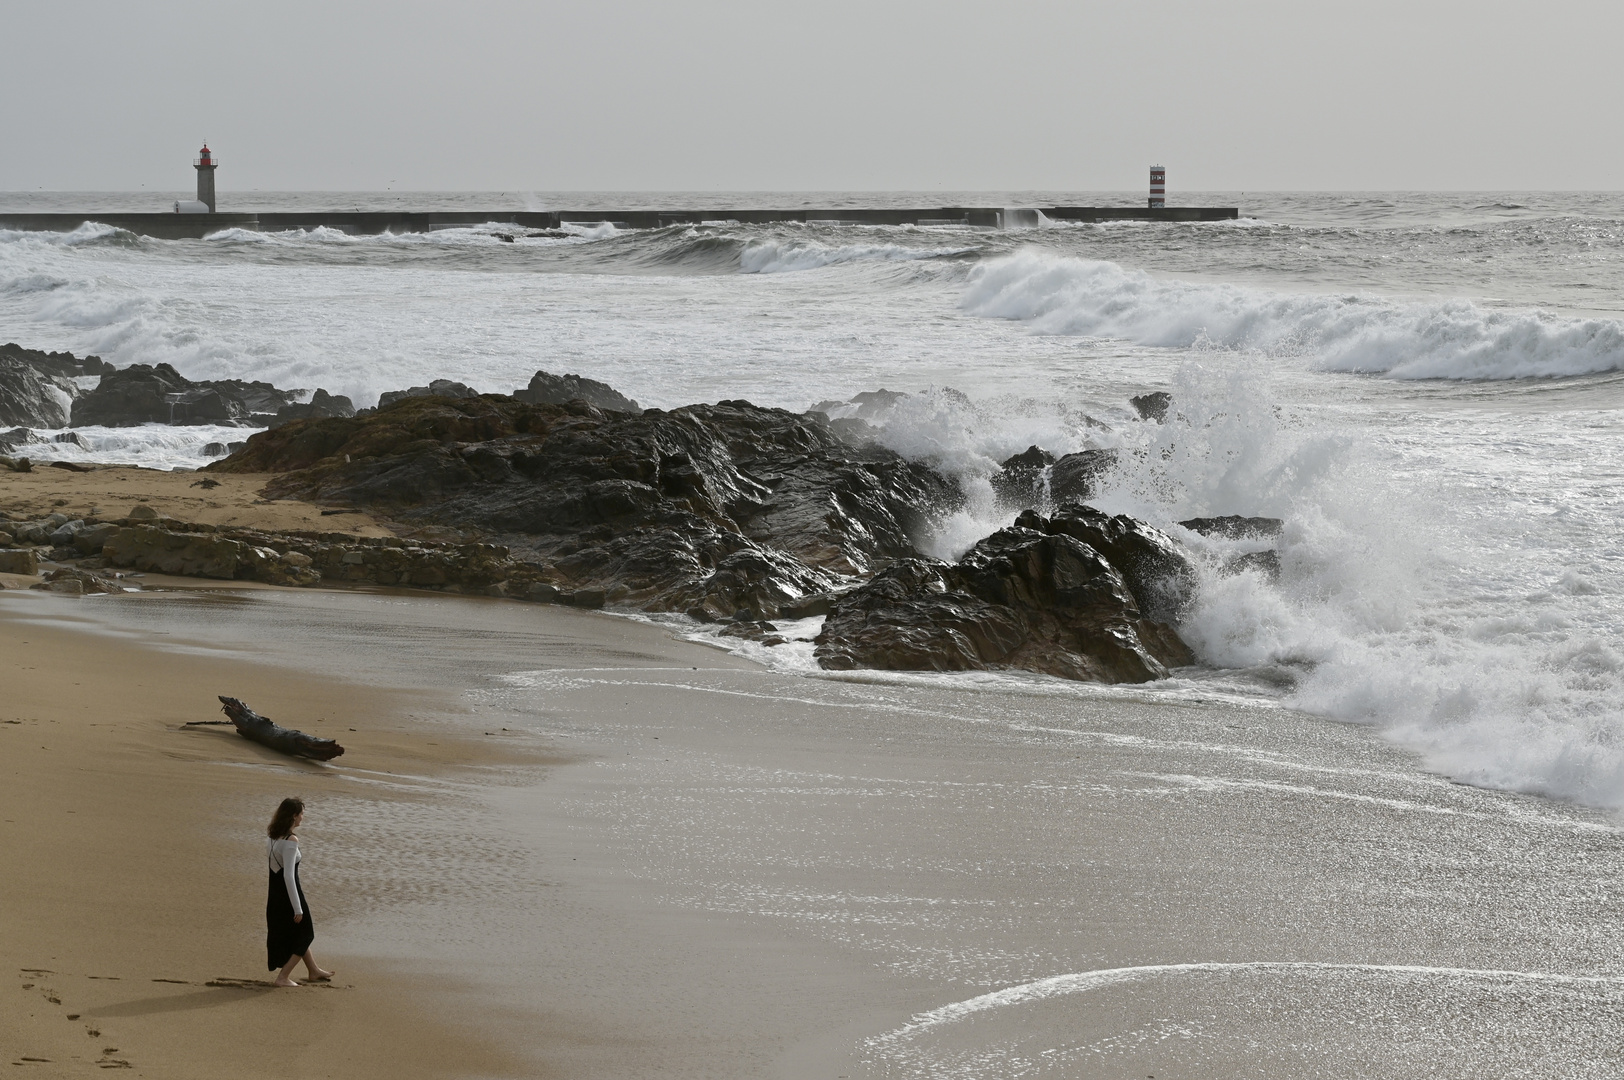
(172, 226)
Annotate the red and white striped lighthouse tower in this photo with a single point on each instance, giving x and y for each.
(205, 164)
(1158, 187)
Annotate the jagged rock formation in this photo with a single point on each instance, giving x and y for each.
(1070, 595)
(436, 388)
(1036, 479)
(711, 510)
(158, 394)
(1235, 527)
(320, 404)
(34, 392)
(548, 389)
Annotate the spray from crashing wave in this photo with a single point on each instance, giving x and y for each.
(1380, 605)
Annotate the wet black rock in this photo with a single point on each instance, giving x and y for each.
(16, 437)
(1152, 406)
(549, 389)
(1265, 562)
(62, 364)
(707, 509)
(1076, 477)
(1032, 597)
(1235, 527)
(438, 388)
(1022, 479)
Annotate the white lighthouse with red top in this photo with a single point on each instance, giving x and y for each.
(205, 165)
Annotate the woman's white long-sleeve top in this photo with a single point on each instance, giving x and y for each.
(284, 856)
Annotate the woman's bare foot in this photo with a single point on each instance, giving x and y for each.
(285, 982)
(320, 975)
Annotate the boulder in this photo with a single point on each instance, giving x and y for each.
(19, 561)
(1022, 480)
(11, 440)
(548, 389)
(438, 388)
(1020, 599)
(78, 582)
(1152, 406)
(90, 539)
(1076, 477)
(149, 548)
(1160, 575)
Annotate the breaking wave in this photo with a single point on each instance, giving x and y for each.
(1451, 339)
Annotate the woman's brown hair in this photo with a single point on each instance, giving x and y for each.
(282, 820)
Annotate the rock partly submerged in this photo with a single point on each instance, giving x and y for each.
(1073, 595)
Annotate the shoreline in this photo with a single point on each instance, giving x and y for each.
(677, 863)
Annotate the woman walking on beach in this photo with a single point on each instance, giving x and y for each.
(288, 926)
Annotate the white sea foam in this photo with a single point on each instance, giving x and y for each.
(1452, 339)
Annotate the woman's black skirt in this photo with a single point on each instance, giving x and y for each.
(284, 938)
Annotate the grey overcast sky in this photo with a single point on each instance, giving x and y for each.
(841, 94)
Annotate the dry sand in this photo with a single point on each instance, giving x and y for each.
(110, 492)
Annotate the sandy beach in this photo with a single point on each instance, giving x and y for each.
(568, 844)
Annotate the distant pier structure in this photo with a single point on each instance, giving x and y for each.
(195, 219)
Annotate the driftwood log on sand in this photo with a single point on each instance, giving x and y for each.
(251, 725)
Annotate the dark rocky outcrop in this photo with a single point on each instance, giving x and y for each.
(708, 509)
(1076, 477)
(437, 388)
(1235, 527)
(1152, 406)
(32, 397)
(1022, 479)
(1035, 478)
(548, 389)
(320, 404)
(158, 394)
(155, 394)
(1033, 597)
(61, 364)
(260, 399)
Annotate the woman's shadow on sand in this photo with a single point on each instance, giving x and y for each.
(218, 992)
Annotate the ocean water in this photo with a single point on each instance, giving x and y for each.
(1426, 387)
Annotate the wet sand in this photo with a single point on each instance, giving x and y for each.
(567, 844)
